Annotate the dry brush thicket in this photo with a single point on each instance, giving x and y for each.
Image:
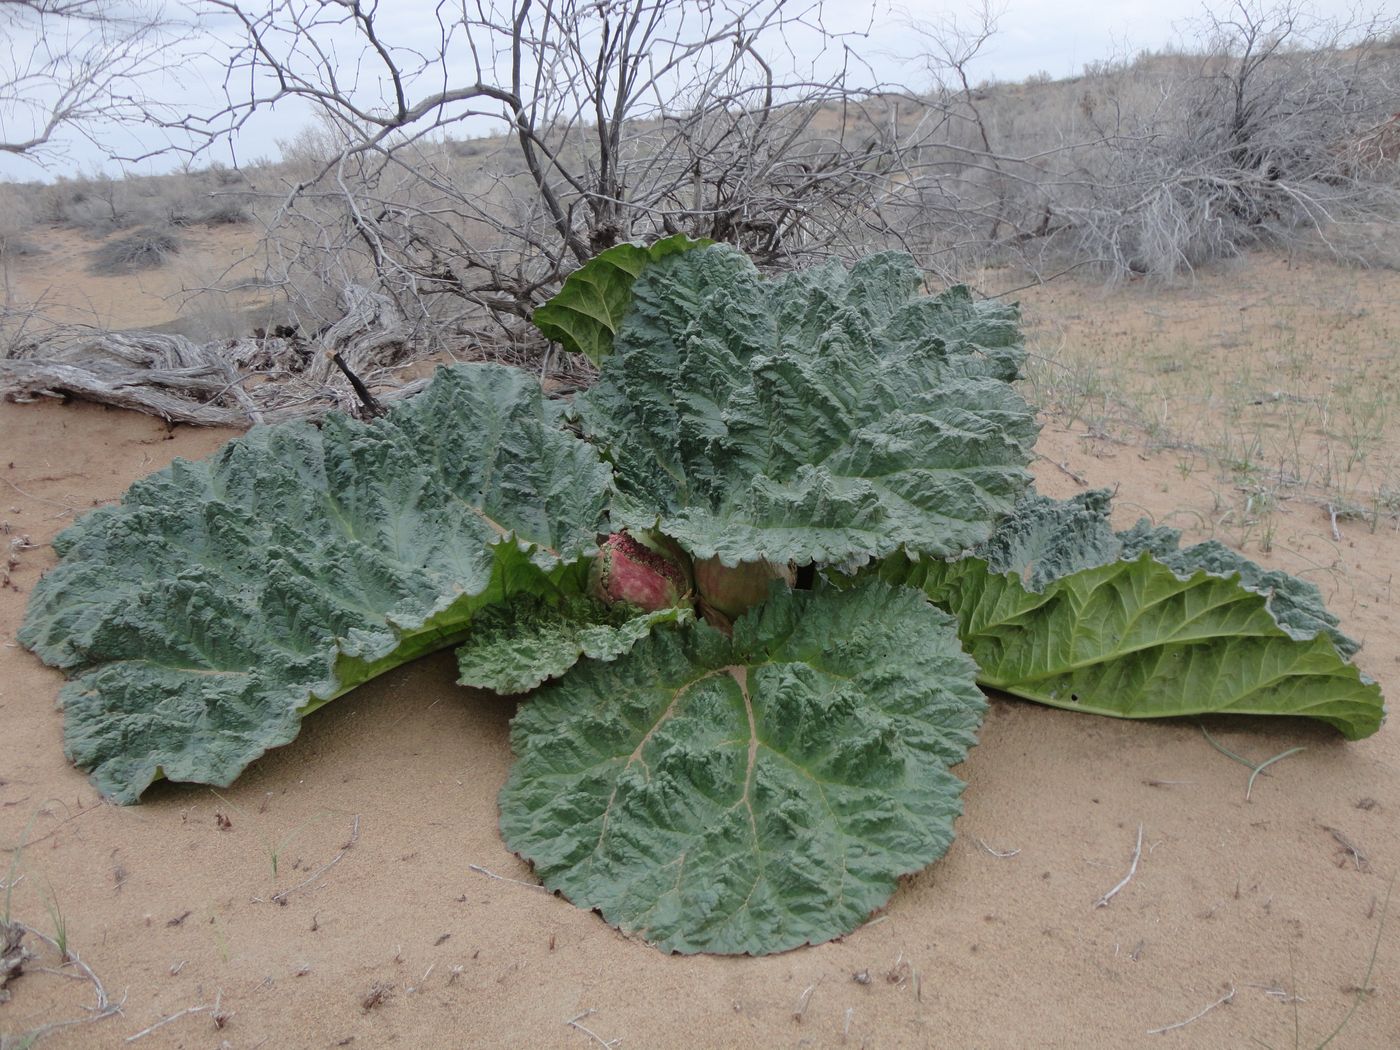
(527, 137)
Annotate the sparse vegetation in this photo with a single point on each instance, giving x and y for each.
(1255, 391)
(226, 213)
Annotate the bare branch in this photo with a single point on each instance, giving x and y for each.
(82, 68)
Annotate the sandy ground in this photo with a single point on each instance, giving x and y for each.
(58, 285)
(426, 932)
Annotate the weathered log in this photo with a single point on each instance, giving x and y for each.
(229, 383)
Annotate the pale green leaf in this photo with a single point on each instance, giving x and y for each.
(749, 794)
(515, 646)
(827, 416)
(222, 600)
(1057, 608)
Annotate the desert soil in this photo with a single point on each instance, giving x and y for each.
(425, 932)
(185, 295)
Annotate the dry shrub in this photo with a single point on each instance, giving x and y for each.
(226, 213)
(13, 246)
(146, 249)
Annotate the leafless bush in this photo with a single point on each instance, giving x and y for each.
(226, 213)
(16, 247)
(605, 123)
(83, 67)
(17, 218)
(1273, 128)
(146, 249)
(1261, 141)
(100, 204)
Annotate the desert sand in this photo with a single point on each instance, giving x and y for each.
(351, 888)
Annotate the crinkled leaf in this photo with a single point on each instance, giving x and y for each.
(828, 416)
(515, 646)
(749, 794)
(221, 600)
(585, 314)
(1045, 539)
(1296, 604)
(979, 338)
(1059, 609)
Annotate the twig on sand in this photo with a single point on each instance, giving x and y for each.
(1274, 992)
(1063, 469)
(573, 1022)
(502, 878)
(104, 1007)
(26, 844)
(802, 1002)
(372, 407)
(1000, 853)
(1227, 997)
(1102, 902)
(166, 1020)
(41, 499)
(1358, 858)
(1336, 532)
(281, 896)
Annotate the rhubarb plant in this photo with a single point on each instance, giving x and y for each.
(746, 587)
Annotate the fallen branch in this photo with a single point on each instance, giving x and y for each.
(175, 396)
(181, 381)
(1102, 902)
(1228, 997)
(501, 878)
(573, 1022)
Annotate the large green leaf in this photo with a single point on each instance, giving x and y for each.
(749, 794)
(586, 312)
(224, 599)
(1058, 608)
(828, 416)
(515, 646)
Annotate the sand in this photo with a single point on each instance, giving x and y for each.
(424, 931)
(183, 296)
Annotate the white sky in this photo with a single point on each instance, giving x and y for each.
(1055, 36)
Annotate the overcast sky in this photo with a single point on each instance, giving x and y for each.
(1054, 36)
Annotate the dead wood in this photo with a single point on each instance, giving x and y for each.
(12, 955)
(228, 383)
